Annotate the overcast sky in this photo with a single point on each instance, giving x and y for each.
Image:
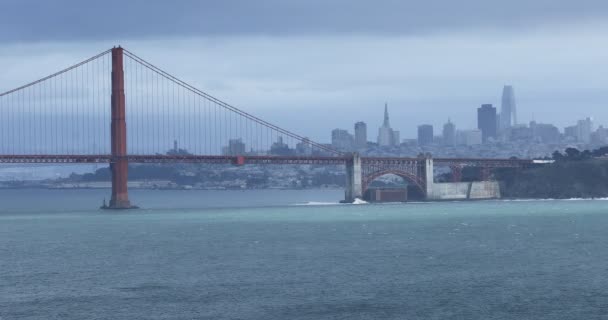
(314, 65)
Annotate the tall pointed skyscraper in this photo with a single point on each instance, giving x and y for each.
(386, 121)
(508, 110)
(387, 137)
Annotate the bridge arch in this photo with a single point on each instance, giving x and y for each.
(407, 176)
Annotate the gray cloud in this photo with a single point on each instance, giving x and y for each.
(61, 20)
(291, 61)
(559, 76)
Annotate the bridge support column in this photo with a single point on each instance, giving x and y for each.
(119, 164)
(429, 177)
(354, 180)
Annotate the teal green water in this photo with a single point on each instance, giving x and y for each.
(273, 255)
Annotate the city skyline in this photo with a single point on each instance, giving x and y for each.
(489, 122)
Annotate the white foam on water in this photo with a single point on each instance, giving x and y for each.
(317, 203)
(360, 201)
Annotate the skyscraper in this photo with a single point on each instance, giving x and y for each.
(425, 134)
(508, 111)
(571, 132)
(304, 147)
(469, 137)
(360, 135)
(546, 133)
(583, 130)
(235, 147)
(486, 121)
(449, 133)
(341, 140)
(387, 137)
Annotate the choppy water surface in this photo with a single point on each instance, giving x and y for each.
(259, 255)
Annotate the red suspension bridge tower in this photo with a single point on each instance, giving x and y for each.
(119, 163)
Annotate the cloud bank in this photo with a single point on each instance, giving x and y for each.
(288, 60)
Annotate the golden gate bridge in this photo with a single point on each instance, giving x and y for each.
(117, 108)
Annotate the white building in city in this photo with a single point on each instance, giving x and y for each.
(468, 137)
(342, 140)
(584, 128)
(387, 137)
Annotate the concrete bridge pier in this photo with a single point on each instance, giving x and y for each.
(429, 177)
(354, 179)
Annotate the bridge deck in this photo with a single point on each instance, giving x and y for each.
(256, 159)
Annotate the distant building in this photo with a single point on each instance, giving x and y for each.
(468, 137)
(396, 138)
(387, 137)
(571, 133)
(521, 133)
(280, 148)
(584, 129)
(486, 122)
(600, 136)
(438, 140)
(360, 135)
(545, 133)
(425, 135)
(342, 140)
(304, 148)
(411, 143)
(508, 109)
(176, 150)
(235, 147)
(449, 134)
(498, 124)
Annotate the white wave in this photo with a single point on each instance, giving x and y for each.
(317, 203)
(360, 201)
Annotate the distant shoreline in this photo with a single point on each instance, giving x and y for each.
(34, 187)
(181, 188)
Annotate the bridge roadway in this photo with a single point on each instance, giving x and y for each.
(257, 159)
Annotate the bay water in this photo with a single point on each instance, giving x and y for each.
(298, 254)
